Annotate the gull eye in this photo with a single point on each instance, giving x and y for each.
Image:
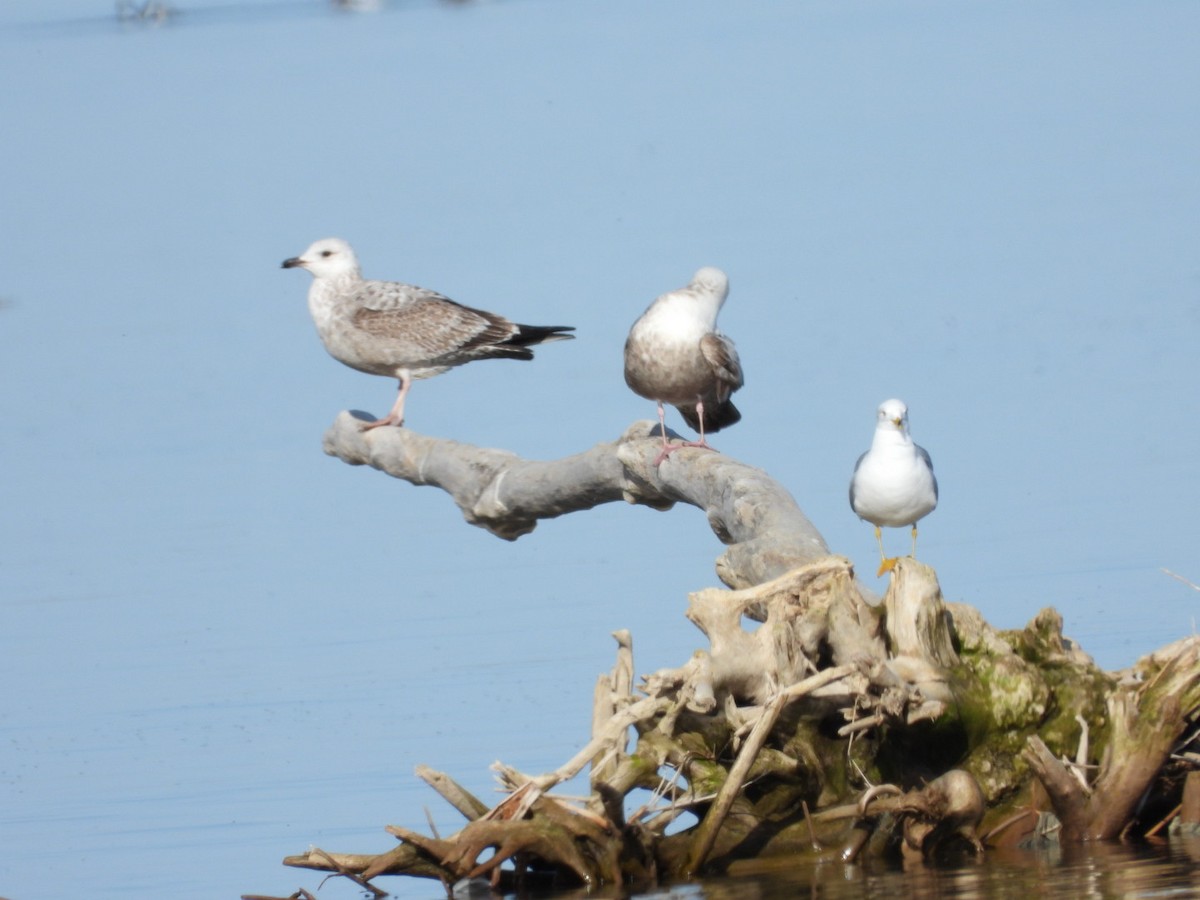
(327, 253)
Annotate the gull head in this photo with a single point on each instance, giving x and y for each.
(894, 414)
(326, 258)
(712, 281)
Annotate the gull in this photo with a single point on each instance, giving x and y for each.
(893, 482)
(400, 330)
(674, 354)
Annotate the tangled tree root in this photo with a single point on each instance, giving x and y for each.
(837, 728)
(751, 747)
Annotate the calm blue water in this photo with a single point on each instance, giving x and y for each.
(221, 646)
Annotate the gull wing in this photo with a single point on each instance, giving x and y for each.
(722, 357)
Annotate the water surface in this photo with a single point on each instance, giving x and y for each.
(220, 646)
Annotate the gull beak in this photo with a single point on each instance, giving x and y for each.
(292, 263)
(896, 422)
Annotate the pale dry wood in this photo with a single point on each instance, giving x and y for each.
(766, 532)
(917, 622)
(808, 613)
(613, 690)
(322, 860)
(612, 733)
(815, 616)
(455, 794)
(622, 674)
(706, 834)
(405, 859)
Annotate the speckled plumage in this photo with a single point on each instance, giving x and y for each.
(401, 330)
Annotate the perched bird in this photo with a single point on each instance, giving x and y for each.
(674, 354)
(407, 332)
(893, 482)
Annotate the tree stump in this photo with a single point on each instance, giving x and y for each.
(835, 719)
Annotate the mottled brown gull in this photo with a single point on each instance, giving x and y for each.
(893, 482)
(674, 354)
(400, 330)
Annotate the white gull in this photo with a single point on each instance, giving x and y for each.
(893, 483)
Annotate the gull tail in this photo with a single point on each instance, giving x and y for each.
(530, 335)
(716, 416)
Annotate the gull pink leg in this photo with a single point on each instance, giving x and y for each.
(396, 416)
(668, 450)
(700, 415)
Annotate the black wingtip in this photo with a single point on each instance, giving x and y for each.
(527, 335)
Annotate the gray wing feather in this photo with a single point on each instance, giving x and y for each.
(929, 462)
(852, 478)
(430, 323)
(384, 295)
(721, 355)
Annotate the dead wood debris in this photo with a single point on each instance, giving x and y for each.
(910, 726)
(814, 708)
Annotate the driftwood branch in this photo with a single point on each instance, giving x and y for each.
(766, 532)
(455, 794)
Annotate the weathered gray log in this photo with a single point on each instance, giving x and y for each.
(507, 495)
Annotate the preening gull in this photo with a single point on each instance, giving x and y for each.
(400, 330)
(893, 482)
(674, 354)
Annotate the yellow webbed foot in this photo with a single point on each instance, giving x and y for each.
(887, 565)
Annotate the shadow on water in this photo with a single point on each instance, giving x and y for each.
(1167, 868)
(1160, 869)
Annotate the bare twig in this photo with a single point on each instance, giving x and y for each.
(812, 832)
(1164, 821)
(343, 872)
(1192, 585)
